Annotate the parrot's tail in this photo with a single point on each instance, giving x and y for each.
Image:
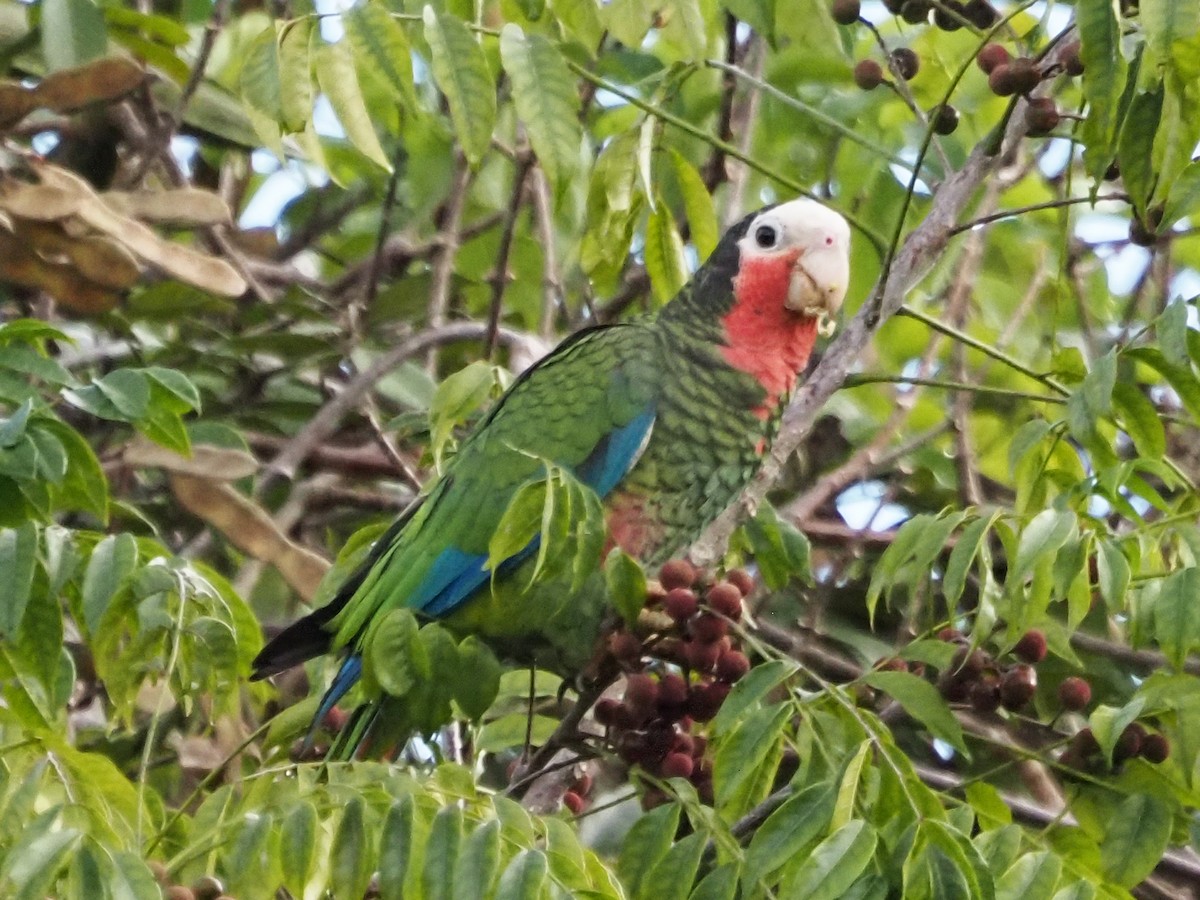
(300, 641)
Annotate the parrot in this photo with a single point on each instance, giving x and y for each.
(664, 417)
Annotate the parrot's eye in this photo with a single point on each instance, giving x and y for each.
(766, 236)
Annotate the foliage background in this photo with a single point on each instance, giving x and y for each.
(1014, 446)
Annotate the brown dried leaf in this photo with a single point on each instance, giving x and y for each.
(183, 263)
(16, 102)
(183, 208)
(206, 461)
(104, 79)
(248, 527)
(40, 202)
(19, 265)
(97, 258)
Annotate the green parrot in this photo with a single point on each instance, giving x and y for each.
(664, 418)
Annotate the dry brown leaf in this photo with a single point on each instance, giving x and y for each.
(41, 202)
(248, 527)
(104, 79)
(16, 102)
(186, 264)
(19, 265)
(183, 208)
(206, 461)
(97, 258)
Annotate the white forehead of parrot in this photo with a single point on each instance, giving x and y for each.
(798, 223)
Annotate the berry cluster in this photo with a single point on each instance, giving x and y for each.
(975, 677)
(206, 887)
(678, 675)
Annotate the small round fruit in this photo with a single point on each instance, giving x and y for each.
(943, 18)
(573, 802)
(706, 700)
(980, 14)
(641, 691)
(1024, 74)
(732, 666)
(1129, 744)
(681, 603)
(179, 892)
(868, 74)
(684, 743)
(967, 664)
(846, 12)
(1018, 687)
(1031, 648)
(677, 573)
(1041, 116)
(991, 56)
(703, 657)
(1085, 741)
(677, 765)
(742, 580)
(159, 871)
(725, 599)
(1072, 63)
(1074, 693)
(672, 690)
(950, 635)
(207, 887)
(606, 711)
(1113, 172)
(905, 63)
(1141, 235)
(1155, 748)
(1001, 81)
(891, 664)
(953, 689)
(708, 629)
(944, 119)
(915, 12)
(624, 645)
(985, 695)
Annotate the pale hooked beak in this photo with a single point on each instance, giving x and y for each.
(818, 283)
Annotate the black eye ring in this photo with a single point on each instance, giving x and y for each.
(765, 236)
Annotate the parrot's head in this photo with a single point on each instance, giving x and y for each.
(801, 247)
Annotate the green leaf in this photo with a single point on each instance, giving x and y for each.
(833, 866)
(788, 831)
(85, 487)
(339, 80)
(479, 863)
(297, 846)
(1109, 721)
(295, 73)
(395, 658)
(128, 391)
(1184, 196)
(1138, 832)
(645, 845)
(1177, 615)
(1103, 80)
(923, 702)
(1134, 149)
(258, 80)
(959, 564)
(73, 33)
(1032, 875)
(751, 689)
(719, 884)
(665, 260)
(742, 769)
(697, 205)
(112, 561)
(1166, 22)
(476, 692)
(30, 867)
(673, 876)
(524, 877)
(398, 849)
(1140, 419)
(626, 584)
(12, 428)
(544, 94)
(461, 71)
(780, 549)
(1112, 571)
(18, 556)
(352, 857)
(381, 46)
(441, 854)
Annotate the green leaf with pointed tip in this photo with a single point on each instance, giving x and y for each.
(1032, 875)
(479, 863)
(30, 867)
(1108, 722)
(697, 206)
(295, 74)
(1138, 832)
(73, 33)
(18, 556)
(1134, 149)
(381, 45)
(833, 866)
(339, 80)
(646, 843)
(524, 877)
(752, 688)
(441, 854)
(462, 73)
(1177, 615)
(1184, 196)
(258, 80)
(788, 831)
(626, 584)
(478, 681)
(673, 876)
(395, 658)
(544, 94)
(923, 702)
(112, 562)
(1103, 80)
(744, 765)
(352, 856)
(665, 260)
(297, 846)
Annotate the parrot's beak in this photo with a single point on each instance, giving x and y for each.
(819, 281)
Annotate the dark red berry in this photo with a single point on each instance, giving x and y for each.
(868, 74)
(950, 635)
(741, 579)
(573, 802)
(659, 739)
(1024, 74)
(677, 573)
(677, 765)
(641, 691)
(967, 664)
(683, 743)
(726, 599)
(1041, 116)
(1072, 64)
(991, 56)
(1155, 748)
(702, 657)
(708, 629)
(631, 747)
(1112, 173)
(980, 14)
(905, 63)
(624, 645)
(1031, 648)
(948, 15)
(606, 711)
(1018, 687)
(944, 119)
(1074, 693)
(706, 700)
(893, 6)
(336, 719)
(892, 664)
(654, 797)
(846, 12)
(953, 689)
(178, 892)
(1141, 235)
(1085, 741)
(681, 603)
(985, 694)
(1129, 744)
(915, 12)
(672, 690)
(1001, 81)
(732, 665)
